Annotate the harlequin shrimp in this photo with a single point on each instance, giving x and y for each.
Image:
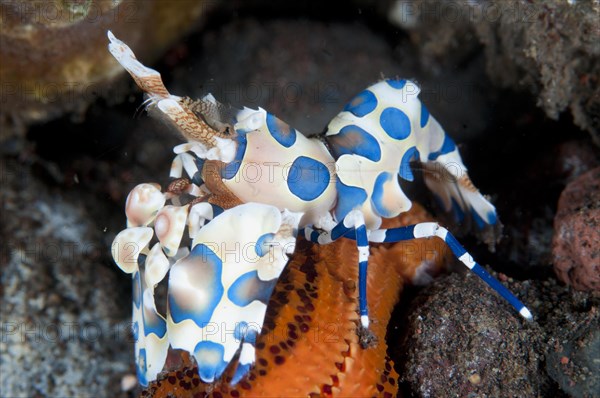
(338, 184)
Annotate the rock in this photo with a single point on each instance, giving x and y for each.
(463, 340)
(550, 47)
(575, 245)
(64, 322)
(54, 57)
(574, 364)
(570, 325)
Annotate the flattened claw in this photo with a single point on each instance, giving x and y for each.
(169, 225)
(247, 358)
(150, 332)
(211, 364)
(219, 287)
(128, 245)
(143, 202)
(199, 215)
(157, 266)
